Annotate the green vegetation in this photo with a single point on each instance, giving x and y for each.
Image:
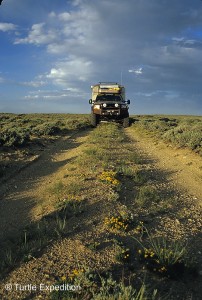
(18, 130)
(91, 285)
(107, 191)
(20, 133)
(147, 195)
(119, 222)
(182, 131)
(165, 257)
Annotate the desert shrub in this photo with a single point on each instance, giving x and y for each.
(43, 124)
(157, 125)
(46, 129)
(58, 127)
(146, 196)
(4, 117)
(190, 122)
(183, 135)
(14, 137)
(183, 131)
(25, 121)
(77, 123)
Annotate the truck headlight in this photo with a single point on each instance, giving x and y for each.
(104, 105)
(97, 106)
(116, 105)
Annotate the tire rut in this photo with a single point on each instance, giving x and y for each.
(23, 195)
(183, 166)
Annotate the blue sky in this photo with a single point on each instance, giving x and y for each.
(52, 51)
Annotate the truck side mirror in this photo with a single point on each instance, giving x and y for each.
(128, 101)
(90, 101)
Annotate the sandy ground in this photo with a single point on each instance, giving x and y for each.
(183, 167)
(24, 196)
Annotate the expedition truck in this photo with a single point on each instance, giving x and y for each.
(108, 103)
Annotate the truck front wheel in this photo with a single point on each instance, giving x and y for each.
(94, 119)
(126, 122)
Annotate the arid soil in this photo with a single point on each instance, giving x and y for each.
(23, 195)
(183, 167)
(24, 199)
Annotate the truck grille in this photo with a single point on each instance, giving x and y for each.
(109, 106)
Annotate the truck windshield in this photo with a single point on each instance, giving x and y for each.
(116, 98)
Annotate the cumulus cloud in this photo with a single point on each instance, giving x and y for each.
(77, 32)
(71, 70)
(7, 27)
(38, 35)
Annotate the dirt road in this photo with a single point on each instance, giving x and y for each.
(183, 167)
(24, 196)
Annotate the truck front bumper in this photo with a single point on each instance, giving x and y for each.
(110, 112)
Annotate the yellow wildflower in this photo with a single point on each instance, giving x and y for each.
(63, 278)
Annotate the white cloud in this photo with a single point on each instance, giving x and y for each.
(56, 95)
(31, 97)
(71, 70)
(136, 71)
(168, 94)
(176, 39)
(76, 2)
(33, 83)
(74, 32)
(38, 35)
(52, 14)
(7, 27)
(185, 42)
(66, 16)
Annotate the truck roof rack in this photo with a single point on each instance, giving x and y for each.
(107, 82)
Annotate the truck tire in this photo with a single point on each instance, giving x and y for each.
(126, 122)
(94, 119)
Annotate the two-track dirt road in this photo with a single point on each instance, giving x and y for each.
(25, 197)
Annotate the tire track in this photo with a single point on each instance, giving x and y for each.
(23, 196)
